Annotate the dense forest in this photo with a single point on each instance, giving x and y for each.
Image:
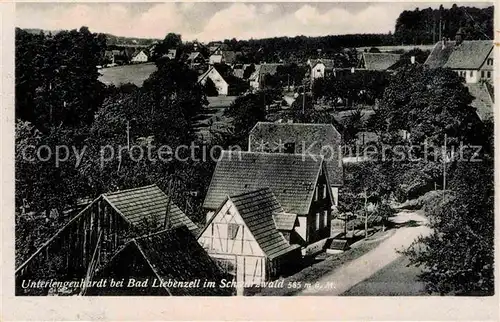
(423, 26)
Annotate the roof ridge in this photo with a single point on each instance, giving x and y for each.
(157, 233)
(249, 192)
(107, 194)
(300, 124)
(275, 153)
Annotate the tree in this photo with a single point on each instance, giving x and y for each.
(210, 88)
(44, 182)
(171, 41)
(246, 111)
(57, 79)
(428, 103)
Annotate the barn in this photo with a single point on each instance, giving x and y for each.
(165, 263)
(92, 237)
(244, 236)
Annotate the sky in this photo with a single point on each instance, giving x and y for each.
(221, 20)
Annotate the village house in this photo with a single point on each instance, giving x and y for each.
(258, 76)
(247, 235)
(104, 226)
(378, 61)
(320, 68)
(171, 54)
(165, 263)
(471, 59)
(299, 138)
(140, 57)
(220, 56)
(220, 83)
(115, 56)
(300, 183)
(195, 59)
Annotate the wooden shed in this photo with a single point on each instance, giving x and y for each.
(243, 237)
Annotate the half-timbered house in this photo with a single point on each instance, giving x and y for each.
(299, 182)
(244, 236)
(302, 138)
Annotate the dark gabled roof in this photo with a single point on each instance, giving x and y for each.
(264, 69)
(149, 204)
(256, 209)
(379, 61)
(482, 102)
(440, 54)
(291, 177)
(175, 254)
(303, 135)
(469, 54)
(284, 221)
(329, 63)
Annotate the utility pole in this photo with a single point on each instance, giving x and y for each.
(303, 99)
(128, 135)
(444, 166)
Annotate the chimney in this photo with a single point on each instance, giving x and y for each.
(412, 58)
(459, 36)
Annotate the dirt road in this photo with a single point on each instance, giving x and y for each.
(343, 278)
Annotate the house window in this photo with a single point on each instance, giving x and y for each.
(324, 191)
(290, 147)
(471, 73)
(490, 61)
(316, 193)
(488, 74)
(325, 218)
(232, 230)
(482, 74)
(317, 221)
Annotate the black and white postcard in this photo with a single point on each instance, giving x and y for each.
(340, 150)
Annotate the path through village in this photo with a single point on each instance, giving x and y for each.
(347, 276)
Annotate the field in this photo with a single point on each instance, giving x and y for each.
(135, 74)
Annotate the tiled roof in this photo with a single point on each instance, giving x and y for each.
(379, 61)
(285, 221)
(175, 254)
(256, 209)
(482, 101)
(312, 137)
(329, 63)
(264, 69)
(147, 204)
(470, 54)
(193, 55)
(440, 54)
(291, 177)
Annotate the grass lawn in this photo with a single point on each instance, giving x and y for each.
(135, 74)
(399, 278)
(314, 272)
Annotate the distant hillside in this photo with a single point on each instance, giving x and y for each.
(117, 40)
(110, 39)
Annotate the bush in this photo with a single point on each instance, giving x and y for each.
(210, 89)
